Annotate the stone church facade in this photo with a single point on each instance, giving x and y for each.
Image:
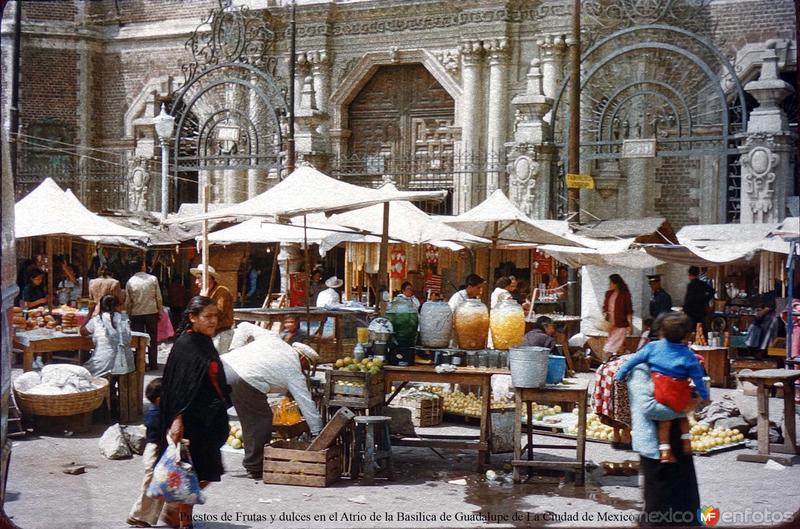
(687, 108)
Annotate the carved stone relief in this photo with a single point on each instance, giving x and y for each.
(138, 183)
(758, 179)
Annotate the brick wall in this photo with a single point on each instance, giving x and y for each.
(679, 200)
(138, 11)
(51, 10)
(48, 85)
(744, 21)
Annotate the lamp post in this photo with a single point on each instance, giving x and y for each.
(165, 128)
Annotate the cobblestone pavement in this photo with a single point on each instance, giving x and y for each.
(428, 492)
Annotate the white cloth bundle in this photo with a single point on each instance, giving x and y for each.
(28, 380)
(64, 375)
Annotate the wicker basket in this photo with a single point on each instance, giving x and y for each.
(63, 405)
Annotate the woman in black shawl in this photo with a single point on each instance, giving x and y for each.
(195, 399)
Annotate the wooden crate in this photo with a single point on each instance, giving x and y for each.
(355, 390)
(426, 410)
(289, 463)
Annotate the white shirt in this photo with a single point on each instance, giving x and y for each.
(272, 366)
(457, 299)
(498, 295)
(413, 299)
(329, 296)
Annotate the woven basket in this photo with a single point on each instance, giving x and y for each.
(63, 405)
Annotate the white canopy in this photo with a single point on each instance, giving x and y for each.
(497, 217)
(48, 210)
(258, 231)
(407, 223)
(307, 191)
(602, 252)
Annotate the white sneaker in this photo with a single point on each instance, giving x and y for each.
(38, 363)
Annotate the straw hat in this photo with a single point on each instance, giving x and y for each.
(334, 282)
(199, 271)
(306, 351)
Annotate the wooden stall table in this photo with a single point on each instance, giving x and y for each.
(314, 314)
(131, 386)
(570, 390)
(765, 379)
(716, 362)
(470, 376)
(596, 342)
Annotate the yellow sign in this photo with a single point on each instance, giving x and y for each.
(580, 181)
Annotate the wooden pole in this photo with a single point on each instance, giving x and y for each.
(273, 273)
(307, 267)
(204, 290)
(290, 147)
(383, 272)
(573, 165)
(50, 271)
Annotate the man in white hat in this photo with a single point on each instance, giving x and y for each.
(224, 300)
(330, 296)
(267, 365)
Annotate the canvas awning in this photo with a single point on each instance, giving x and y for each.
(498, 219)
(614, 243)
(307, 191)
(260, 232)
(714, 244)
(48, 210)
(407, 223)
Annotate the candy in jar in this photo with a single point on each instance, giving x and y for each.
(508, 324)
(472, 324)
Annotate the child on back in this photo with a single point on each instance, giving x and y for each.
(146, 510)
(672, 365)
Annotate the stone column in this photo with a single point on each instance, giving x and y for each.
(498, 112)
(320, 72)
(309, 144)
(766, 156)
(530, 164)
(471, 113)
(552, 50)
(302, 70)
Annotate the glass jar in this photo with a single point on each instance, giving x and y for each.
(472, 358)
(405, 320)
(508, 324)
(472, 324)
(435, 324)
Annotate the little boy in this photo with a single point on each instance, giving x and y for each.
(146, 510)
(672, 364)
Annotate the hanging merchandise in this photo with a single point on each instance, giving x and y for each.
(297, 289)
(398, 263)
(431, 256)
(433, 284)
(542, 264)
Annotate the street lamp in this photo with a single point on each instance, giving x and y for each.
(165, 128)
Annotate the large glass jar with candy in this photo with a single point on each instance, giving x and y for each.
(507, 322)
(405, 320)
(472, 324)
(435, 324)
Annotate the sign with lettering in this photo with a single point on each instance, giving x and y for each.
(639, 148)
(580, 181)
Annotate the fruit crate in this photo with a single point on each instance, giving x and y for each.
(427, 409)
(289, 463)
(354, 389)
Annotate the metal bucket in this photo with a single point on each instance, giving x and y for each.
(528, 366)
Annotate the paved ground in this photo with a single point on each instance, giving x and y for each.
(40, 495)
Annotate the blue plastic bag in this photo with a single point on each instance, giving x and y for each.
(174, 478)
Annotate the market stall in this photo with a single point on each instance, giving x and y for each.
(130, 387)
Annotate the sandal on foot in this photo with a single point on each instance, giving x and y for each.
(136, 523)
